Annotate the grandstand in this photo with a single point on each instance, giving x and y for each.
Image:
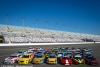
(16, 34)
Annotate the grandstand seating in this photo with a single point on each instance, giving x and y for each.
(16, 34)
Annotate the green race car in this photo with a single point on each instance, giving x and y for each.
(78, 60)
(21, 52)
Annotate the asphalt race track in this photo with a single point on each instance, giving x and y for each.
(6, 51)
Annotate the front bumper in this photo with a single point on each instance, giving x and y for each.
(8, 62)
(66, 63)
(38, 62)
(23, 62)
(79, 62)
(52, 62)
(94, 63)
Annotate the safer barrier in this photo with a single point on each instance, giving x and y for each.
(25, 44)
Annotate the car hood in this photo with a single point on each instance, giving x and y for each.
(38, 58)
(23, 59)
(52, 59)
(10, 58)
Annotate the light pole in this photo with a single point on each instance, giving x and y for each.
(7, 18)
(69, 28)
(47, 24)
(63, 27)
(23, 20)
(56, 26)
(76, 29)
(36, 22)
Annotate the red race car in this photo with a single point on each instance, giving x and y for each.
(91, 61)
(66, 60)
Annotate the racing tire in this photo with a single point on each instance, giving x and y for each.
(12, 62)
(3, 62)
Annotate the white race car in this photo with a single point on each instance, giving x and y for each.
(12, 59)
(30, 49)
(30, 52)
(59, 54)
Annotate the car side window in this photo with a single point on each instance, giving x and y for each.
(19, 55)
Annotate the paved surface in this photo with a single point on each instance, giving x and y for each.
(6, 51)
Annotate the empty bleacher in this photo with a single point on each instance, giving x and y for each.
(16, 34)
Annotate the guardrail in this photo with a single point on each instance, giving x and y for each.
(23, 44)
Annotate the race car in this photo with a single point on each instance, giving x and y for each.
(66, 60)
(55, 51)
(60, 54)
(62, 48)
(90, 50)
(42, 50)
(30, 52)
(55, 48)
(39, 52)
(63, 51)
(30, 49)
(35, 50)
(25, 59)
(78, 59)
(38, 59)
(12, 59)
(21, 52)
(77, 53)
(91, 60)
(70, 54)
(52, 59)
(85, 53)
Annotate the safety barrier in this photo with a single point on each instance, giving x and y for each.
(25, 44)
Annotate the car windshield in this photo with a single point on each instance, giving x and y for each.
(49, 53)
(78, 58)
(39, 52)
(77, 53)
(25, 56)
(51, 56)
(30, 52)
(66, 58)
(38, 56)
(13, 56)
(69, 53)
(87, 52)
(63, 50)
(19, 52)
(92, 58)
(60, 53)
(35, 50)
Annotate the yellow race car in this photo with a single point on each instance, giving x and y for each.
(52, 59)
(25, 59)
(38, 59)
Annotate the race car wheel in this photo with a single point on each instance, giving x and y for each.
(3, 62)
(32, 61)
(12, 62)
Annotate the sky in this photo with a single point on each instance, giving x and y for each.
(82, 16)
